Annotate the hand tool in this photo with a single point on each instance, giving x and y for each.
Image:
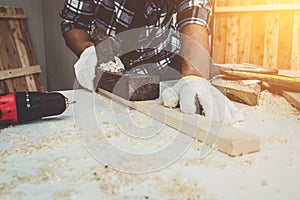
(22, 107)
(131, 86)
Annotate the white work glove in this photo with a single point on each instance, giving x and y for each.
(85, 68)
(189, 89)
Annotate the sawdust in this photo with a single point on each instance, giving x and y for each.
(182, 188)
(277, 105)
(264, 183)
(23, 145)
(111, 67)
(277, 139)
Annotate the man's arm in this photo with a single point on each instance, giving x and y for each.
(196, 58)
(77, 40)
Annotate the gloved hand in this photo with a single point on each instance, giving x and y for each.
(85, 68)
(190, 89)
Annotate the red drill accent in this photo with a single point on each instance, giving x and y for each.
(8, 109)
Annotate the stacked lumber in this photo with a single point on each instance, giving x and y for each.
(285, 83)
(18, 65)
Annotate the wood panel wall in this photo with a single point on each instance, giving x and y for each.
(262, 32)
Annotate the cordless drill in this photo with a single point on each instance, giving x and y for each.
(22, 107)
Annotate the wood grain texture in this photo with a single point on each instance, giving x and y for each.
(13, 73)
(244, 39)
(261, 32)
(227, 139)
(19, 40)
(16, 53)
(293, 98)
(232, 35)
(219, 39)
(258, 8)
(295, 62)
(12, 16)
(271, 38)
(9, 57)
(240, 91)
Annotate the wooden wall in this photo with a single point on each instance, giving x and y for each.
(262, 32)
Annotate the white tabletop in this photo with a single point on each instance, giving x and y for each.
(84, 152)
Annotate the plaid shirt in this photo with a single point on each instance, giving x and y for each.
(157, 42)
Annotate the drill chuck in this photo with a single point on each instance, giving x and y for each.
(27, 106)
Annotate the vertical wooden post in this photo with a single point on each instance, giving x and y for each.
(295, 60)
(232, 35)
(244, 38)
(219, 39)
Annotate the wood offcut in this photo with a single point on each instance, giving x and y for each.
(244, 91)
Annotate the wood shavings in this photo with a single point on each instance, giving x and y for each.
(277, 105)
(210, 161)
(6, 188)
(111, 67)
(264, 183)
(277, 139)
(69, 194)
(23, 145)
(182, 188)
(114, 183)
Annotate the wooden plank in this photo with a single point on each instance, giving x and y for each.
(281, 82)
(13, 16)
(19, 40)
(293, 98)
(227, 139)
(258, 8)
(219, 40)
(285, 40)
(232, 35)
(245, 67)
(295, 60)
(257, 36)
(13, 73)
(290, 73)
(271, 38)
(244, 39)
(244, 91)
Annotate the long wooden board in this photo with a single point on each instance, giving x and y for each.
(227, 139)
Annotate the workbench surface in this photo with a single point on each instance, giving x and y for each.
(70, 157)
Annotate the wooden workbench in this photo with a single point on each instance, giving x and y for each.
(50, 158)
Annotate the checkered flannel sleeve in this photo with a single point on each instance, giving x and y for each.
(193, 12)
(77, 14)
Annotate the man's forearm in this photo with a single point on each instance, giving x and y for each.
(77, 40)
(197, 59)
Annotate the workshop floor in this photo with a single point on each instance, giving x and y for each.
(50, 159)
